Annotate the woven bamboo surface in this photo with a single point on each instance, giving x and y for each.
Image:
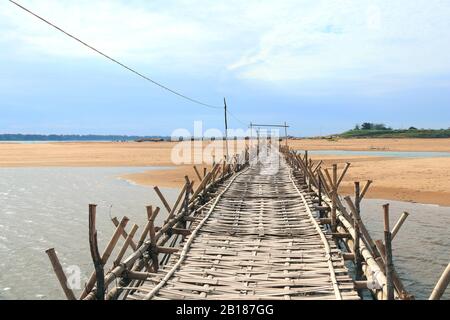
(259, 239)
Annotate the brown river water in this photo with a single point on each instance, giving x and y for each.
(42, 208)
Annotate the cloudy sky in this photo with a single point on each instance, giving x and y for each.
(322, 66)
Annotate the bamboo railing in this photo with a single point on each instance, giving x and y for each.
(154, 246)
(372, 260)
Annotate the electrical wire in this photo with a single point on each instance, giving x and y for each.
(236, 118)
(116, 61)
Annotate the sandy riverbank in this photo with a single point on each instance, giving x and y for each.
(424, 180)
(437, 145)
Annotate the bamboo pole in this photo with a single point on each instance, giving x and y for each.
(204, 183)
(402, 293)
(116, 236)
(99, 272)
(399, 224)
(334, 199)
(321, 213)
(175, 206)
(154, 254)
(60, 274)
(356, 223)
(366, 236)
(311, 175)
(329, 179)
(388, 259)
(325, 185)
(197, 173)
(366, 187)
(441, 285)
(146, 230)
(126, 244)
(124, 233)
(163, 200)
(341, 177)
(305, 163)
(112, 243)
(317, 166)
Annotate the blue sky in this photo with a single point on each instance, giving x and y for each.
(322, 66)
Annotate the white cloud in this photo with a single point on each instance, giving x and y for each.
(114, 27)
(356, 39)
(278, 41)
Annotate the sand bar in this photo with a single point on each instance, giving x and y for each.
(425, 180)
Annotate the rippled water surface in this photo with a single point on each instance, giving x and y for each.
(41, 208)
(421, 249)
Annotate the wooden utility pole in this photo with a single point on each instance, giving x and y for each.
(226, 127)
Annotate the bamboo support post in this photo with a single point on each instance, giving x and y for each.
(365, 233)
(308, 168)
(197, 173)
(321, 213)
(366, 188)
(175, 206)
(146, 229)
(388, 259)
(334, 199)
(124, 233)
(399, 224)
(356, 223)
(126, 244)
(60, 273)
(441, 285)
(317, 166)
(304, 163)
(403, 294)
(186, 197)
(98, 264)
(151, 229)
(325, 185)
(163, 199)
(341, 177)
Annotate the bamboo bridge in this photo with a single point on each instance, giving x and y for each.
(275, 228)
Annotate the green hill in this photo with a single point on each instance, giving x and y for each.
(370, 130)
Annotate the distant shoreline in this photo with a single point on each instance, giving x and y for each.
(19, 137)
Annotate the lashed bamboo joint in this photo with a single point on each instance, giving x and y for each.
(275, 228)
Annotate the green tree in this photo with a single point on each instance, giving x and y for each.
(367, 126)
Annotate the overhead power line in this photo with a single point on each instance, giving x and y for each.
(236, 118)
(116, 61)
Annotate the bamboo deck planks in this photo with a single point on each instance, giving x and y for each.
(258, 242)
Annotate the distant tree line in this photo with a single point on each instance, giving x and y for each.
(380, 130)
(379, 126)
(372, 126)
(72, 137)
